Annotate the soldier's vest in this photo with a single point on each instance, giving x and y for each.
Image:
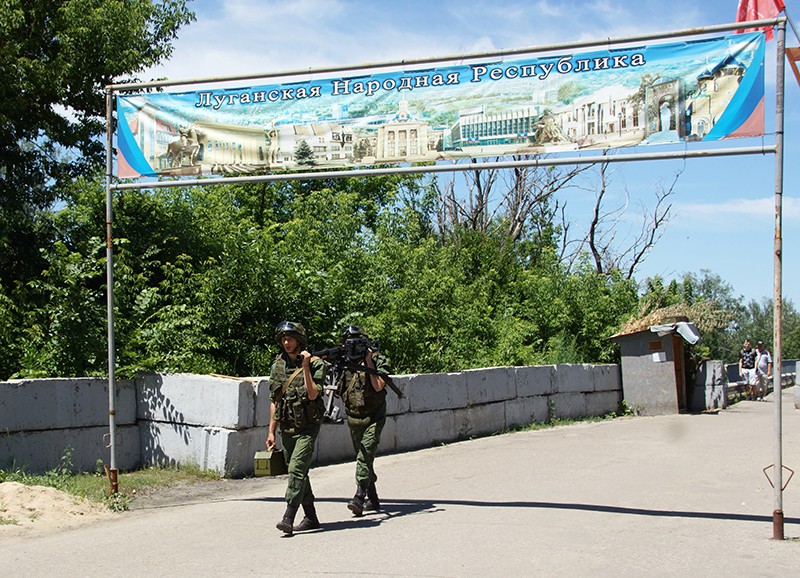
(293, 409)
(359, 397)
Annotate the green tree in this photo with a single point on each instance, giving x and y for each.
(757, 324)
(569, 91)
(303, 154)
(57, 57)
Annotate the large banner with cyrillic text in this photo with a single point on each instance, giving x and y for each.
(698, 90)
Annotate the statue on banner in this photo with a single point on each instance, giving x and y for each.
(548, 129)
(664, 113)
(185, 147)
(274, 146)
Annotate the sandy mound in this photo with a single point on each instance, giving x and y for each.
(26, 509)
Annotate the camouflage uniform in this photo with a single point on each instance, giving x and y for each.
(299, 421)
(366, 417)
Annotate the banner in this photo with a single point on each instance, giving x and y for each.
(700, 90)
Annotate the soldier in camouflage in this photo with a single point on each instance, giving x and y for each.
(364, 395)
(296, 405)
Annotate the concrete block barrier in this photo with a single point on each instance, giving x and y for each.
(436, 391)
(601, 403)
(227, 451)
(524, 411)
(574, 378)
(423, 430)
(48, 404)
(218, 422)
(186, 398)
(40, 451)
(490, 384)
(479, 420)
(535, 380)
(568, 405)
(333, 444)
(397, 405)
(607, 378)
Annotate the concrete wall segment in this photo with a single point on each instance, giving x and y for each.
(535, 380)
(333, 444)
(600, 403)
(63, 403)
(261, 400)
(436, 391)
(227, 451)
(479, 420)
(568, 405)
(40, 451)
(490, 384)
(423, 430)
(242, 446)
(524, 411)
(574, 378)
(396, 405)
(196, 400)
(607, 378)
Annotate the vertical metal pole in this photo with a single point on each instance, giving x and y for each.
(112, 386)
(777, 514)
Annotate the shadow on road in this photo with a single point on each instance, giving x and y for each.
(397, 508)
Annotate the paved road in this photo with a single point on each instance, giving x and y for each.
(679, 495)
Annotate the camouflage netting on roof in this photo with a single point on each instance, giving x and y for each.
(706, 315)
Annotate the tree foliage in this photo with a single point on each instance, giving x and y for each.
(724, 318)
(204, 274)
(57, 57)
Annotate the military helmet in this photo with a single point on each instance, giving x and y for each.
(352, 331)
(296, 330)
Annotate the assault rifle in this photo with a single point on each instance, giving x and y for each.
(352, 349)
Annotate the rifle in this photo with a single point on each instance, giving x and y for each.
(346, 356)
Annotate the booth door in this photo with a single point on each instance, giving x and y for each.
(680, 373)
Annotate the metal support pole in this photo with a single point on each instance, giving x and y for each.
(777, 514)
(452, 167)
(112, 386)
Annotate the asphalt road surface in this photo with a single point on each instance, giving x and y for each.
(681, 495)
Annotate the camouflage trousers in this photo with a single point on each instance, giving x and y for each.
(298, 449)
(366, 437)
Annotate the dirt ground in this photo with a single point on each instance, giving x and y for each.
(34, 510)
(26, 510)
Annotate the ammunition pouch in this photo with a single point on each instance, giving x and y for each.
(358, 421)
(298, 412)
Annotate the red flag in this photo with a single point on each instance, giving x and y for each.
(759, 10)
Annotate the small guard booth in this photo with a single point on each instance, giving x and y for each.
(653, 367)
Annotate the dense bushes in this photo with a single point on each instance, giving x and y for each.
(203, 275)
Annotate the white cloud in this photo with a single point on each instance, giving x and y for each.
(237, 37)
(763, 208)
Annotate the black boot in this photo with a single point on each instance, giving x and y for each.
(356, 505)
(286, 525)
(310, 520)
(372, 503)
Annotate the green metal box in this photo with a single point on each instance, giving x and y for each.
(269, 463)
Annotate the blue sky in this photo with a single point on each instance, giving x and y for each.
(723, 213)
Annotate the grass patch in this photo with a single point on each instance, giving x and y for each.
(95, 486)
